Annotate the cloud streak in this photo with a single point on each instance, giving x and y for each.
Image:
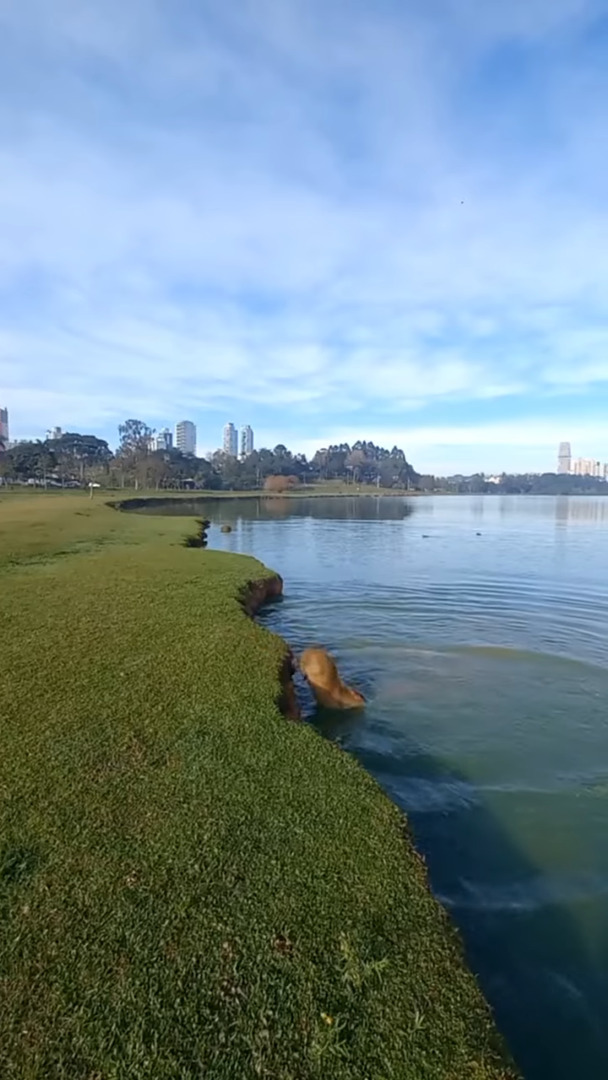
(305, 214)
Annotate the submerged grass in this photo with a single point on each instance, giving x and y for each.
(190, 885)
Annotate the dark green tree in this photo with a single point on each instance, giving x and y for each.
(28, 461)
(78, 455)
(283, 461)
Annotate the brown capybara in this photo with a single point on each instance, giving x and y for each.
(319, 668)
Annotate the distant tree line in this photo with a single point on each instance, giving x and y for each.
(515, 484)
(72, 459)
(75, 459)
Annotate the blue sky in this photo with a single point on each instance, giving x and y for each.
(330, 220)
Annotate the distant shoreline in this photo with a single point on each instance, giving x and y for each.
(118, 497)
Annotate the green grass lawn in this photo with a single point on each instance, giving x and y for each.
(191, 885)
(316, 489)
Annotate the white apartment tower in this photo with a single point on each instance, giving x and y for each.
(164, 440)
(587, 467)
(185, 437)
(4, 428)
(564, 458)
(231, 440)
(246, 441)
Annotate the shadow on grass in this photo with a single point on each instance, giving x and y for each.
(17, 864)
(199, 538)
(548, 988)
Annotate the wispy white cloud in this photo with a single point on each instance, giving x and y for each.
(283, 208)
(524, 446)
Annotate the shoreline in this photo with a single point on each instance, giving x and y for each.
(189, 877)
(257, 594)
(137, 502)
(254, 596)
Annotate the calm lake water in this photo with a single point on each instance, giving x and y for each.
(478, 629)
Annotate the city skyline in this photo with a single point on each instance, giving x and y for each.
(530, 450)
(579, 466)
(239, 442)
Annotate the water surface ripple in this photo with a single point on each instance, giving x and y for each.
(478, 629)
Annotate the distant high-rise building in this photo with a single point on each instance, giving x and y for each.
(54, 433)
(231, 440)
(185, 437)
(164, 440)
(564, 458)
(586, 467)
(246, 441)
(4, 428)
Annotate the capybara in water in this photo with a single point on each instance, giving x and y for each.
(322, 674)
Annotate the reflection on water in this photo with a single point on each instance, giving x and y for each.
(478, 630)
(571, 509)
(561, 508)
(264, 507)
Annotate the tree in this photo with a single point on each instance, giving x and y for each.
(134, 437)
(331, 462)
(355, 463)
(283, 460)
(86, 457)
(301, 467)
(477, 484)
(250, 471)
(77, 454)
(134, 448)
(7, 466)
(153, 470)
(265, 463)
(427, 483)
(231, 473)
(205, 475)
(28, 461)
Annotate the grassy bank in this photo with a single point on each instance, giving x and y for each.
(190, 885)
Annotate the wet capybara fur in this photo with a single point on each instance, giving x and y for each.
(319, 668)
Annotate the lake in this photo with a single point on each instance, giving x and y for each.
(477, 627)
